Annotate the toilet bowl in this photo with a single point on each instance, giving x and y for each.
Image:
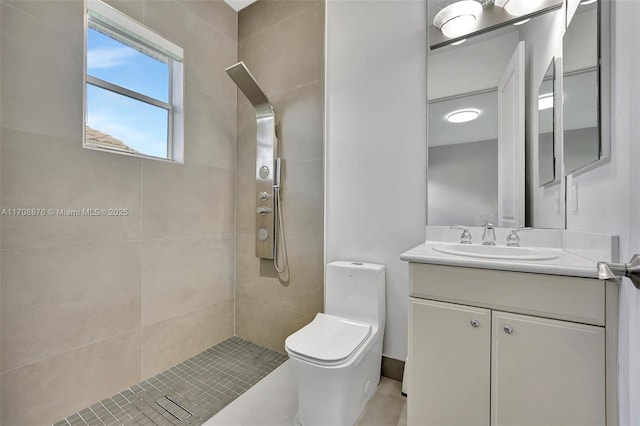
(337, 357)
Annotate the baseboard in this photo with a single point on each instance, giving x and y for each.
(392, 368)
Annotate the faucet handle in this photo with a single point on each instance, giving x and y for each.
(513, 239)
(489, 235)
(465, 237)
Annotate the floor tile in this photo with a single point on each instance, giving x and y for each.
(188, 393)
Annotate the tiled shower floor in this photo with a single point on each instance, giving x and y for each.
(201, 385)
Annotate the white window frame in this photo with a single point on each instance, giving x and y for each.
(122, 26)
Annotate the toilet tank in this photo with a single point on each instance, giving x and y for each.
(355, 290)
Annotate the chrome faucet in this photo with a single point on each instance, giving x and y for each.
(513, 240)
(465, 237)
(489, 235)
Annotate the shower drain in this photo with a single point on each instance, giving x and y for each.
(173, 408)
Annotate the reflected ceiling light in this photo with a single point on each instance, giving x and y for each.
(524, 21)
(459, 42)
(586, 2)
(463, 115)
(521, 7)
(545, 101)
(458, 18)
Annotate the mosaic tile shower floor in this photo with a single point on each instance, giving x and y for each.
(190, 392)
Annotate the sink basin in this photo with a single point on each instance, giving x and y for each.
(496, 252)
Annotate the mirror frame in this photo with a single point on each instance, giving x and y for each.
(604, 86)
(555, 179)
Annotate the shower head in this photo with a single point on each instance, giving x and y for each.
(249, 87)
(267, 170)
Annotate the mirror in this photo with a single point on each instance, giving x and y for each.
(476, 168)
(582, 143)
(546, 128)
(476, 66)
(463, 160)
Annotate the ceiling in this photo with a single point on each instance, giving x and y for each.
(434, 6)
(238, 5)
(484, 128)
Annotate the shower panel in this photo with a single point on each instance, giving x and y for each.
(267, 165)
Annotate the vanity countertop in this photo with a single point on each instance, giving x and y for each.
(566, 263)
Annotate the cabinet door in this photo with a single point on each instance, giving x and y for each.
(546, 372)
(449, 353)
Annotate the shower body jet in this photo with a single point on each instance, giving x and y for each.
(267, 163)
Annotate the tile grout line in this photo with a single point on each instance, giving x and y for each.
(62, 244)
(298, 87)
(277, 307)
(209, 24)
(40, 20)
(141, 335)
(112, 336)
(288, 18)
(235, 202)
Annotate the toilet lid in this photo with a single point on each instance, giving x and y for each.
(328, 339)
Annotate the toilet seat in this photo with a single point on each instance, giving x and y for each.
(328, 340)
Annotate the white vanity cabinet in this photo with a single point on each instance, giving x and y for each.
(450, 364)
(546, 372)
(490, 347)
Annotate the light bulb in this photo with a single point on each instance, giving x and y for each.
(458, 26)
(462, 116)
(521, 7)
(458, 18)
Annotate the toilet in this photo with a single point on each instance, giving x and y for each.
(337, 357)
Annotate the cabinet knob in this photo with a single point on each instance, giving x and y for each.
(475, 323)
(508, 329)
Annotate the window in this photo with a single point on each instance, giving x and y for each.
(133, 87)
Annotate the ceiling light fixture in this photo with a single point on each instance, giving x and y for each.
(586, 2)
(463, 115)
(459, 42)
(458, 18)
(545, 101)
(521, 7)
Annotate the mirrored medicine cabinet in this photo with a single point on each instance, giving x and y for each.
(584, 141)
(500, 153)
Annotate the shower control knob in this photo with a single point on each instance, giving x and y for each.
(262, 210)
(263, 234)
(264, 196)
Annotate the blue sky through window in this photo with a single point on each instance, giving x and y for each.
(137, 124)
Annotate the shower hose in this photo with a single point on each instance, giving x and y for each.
(279, 235)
